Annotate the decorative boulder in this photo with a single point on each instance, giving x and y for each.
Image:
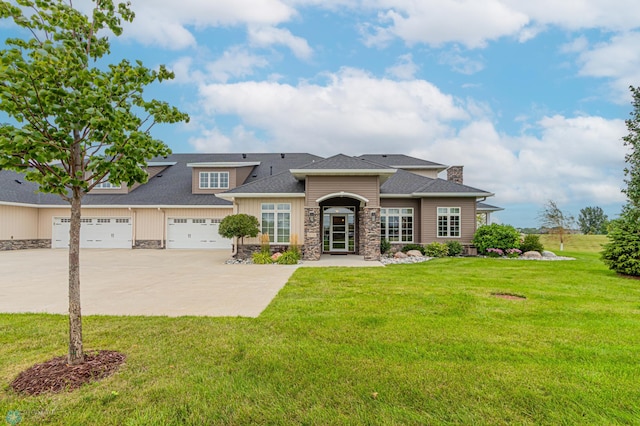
(276, 256)
(400, 255)
(548, 254)
(532, 255)
(414, 253)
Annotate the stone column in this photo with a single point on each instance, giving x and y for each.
(361, 232)
(312, 234)
(371, 235)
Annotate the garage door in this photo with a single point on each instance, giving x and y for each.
(95, 232)
(195, 234)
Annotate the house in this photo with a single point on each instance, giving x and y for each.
(340, 204)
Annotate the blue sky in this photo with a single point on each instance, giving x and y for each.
(530, 97)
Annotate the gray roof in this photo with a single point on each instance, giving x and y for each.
(487, 207)
(282, 183)
(401, 160)
(403, 182)
(343, 162)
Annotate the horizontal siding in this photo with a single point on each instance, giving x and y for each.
(365, 186)
(253, 207)
(18, 223)
(429, 218)
(404, 203)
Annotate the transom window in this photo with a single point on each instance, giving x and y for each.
(214, 180)
(276, 222)
(449, 222)
(396, 224)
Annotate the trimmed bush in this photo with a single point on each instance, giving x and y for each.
(262, 258)
(454, 248)
(622, 253)
(531, 242)
(409, 247)
(496, 236)
(436, 249)
(385, 246)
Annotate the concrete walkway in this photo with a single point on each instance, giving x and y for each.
(146, 282)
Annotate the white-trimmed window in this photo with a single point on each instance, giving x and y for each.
(105, 184)
(276, 222)
(449, 222)
(396, 224)
(214, 180)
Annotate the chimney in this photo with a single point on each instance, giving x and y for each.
(454, 174)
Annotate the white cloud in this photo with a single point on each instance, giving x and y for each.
(617, 60)
(404, 69)
(235, 62)
(268, 36)
(459, 63)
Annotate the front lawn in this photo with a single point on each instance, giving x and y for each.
(406, 344)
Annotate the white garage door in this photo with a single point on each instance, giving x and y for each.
(95, 232)
(195, 234)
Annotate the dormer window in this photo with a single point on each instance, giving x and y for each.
(214, 180)
(105, 184)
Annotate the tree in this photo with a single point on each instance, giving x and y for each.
(556, 221)
(622, 252)
(239, 225)
(592, 220)
(77, 121)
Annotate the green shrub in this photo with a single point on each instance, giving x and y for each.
(496, 236)
(454, 248)
(409, 247)
(622, 253)
(262, 258)
(289, 257)
(436, 249)
(531, 242)
(385, 246)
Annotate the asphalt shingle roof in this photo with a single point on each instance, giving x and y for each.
(343, 162)
(400, 160)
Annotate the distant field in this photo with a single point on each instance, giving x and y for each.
(575, 242)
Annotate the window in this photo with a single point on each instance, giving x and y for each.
(396, 224)
(214, 180)
(105, 184)
(276, 222)
(449, 222)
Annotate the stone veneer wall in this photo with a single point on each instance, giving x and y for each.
(312, 234)
(149, 244)
(361, 238)
(24, 244)
(371, 235)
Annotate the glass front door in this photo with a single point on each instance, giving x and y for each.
(339, 224)
(339, 232)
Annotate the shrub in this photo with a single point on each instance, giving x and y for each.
(513, 252)
(409, 247)
(289, 257)
(494, 252)
(454, 248)
(496, 236)
(262, 258)
(531, 242)
(436, 249)
(385, 246)
(622, 253)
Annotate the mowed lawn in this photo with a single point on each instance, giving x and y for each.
(406, 344)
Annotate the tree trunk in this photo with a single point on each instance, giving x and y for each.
(76, 354)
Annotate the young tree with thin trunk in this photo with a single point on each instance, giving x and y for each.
(76, 120)
(556, 221)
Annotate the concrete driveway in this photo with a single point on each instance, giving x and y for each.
(139, 282)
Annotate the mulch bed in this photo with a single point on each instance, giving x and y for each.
(56, 375)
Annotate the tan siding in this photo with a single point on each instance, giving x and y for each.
(252, 206)
(18, 223)
(433, 174)
(148, 224)
(242, 173)
(365, 186)
(195, 179)
(407, 202)
(429, 218)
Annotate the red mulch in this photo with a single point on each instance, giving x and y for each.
(509, 296)
(56, 375)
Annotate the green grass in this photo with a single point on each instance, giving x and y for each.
(574, 242)
(428, 338)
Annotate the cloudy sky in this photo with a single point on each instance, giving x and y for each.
(530, 96)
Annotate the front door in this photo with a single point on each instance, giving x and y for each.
(339, 232)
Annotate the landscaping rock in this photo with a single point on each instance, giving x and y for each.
(547, 253)
(276, 256)
(532, 255)
(414, 253)
(400, 255)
